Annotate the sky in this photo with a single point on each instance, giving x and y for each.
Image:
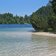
(21, 7)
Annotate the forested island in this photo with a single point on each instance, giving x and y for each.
(44, 19)
(9, 18)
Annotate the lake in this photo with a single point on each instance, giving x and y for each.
(18, 40)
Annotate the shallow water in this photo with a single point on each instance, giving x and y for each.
(23, 43)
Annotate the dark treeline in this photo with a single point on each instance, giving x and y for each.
(8, 18)
(44, 19)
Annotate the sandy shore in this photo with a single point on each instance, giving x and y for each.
(27, 33)
(44, 34)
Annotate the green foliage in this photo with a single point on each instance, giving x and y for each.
(39, 19)
(53, 2)
(44, 19)
(53, 20)
(27, 19)
(8, 18)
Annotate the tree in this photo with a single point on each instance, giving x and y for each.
(53, 2)
(8, 18)
(27, 19)
(39, 19)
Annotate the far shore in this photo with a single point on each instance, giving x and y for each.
(48, 34)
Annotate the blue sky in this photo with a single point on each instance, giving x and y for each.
(21, 7)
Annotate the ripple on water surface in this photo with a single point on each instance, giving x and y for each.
(26, 44)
